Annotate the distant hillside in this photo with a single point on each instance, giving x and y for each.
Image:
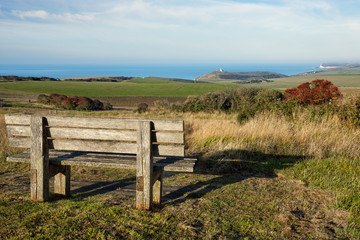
(328, 69)
(12, 78)
(94, 79)
(238, 77)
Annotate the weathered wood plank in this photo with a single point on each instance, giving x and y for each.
(98, 134)
(15, 130)
(93, 146)
(168, 137)
(144, 167)
(85, 122)
(168, 150)
(100, 146)
(39, 157)
(19, 142)
(109, 160)
(90, 134)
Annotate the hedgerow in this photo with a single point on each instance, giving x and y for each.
(319, 98)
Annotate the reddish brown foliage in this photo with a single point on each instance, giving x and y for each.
(79, 103)
(316, 92)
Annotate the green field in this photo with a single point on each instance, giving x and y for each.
(135, 87)
(345, 80)
(161, 87)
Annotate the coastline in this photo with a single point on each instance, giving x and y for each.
(180, 71)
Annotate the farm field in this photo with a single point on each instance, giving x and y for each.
(271, 177)
(135, 87)
(341, 81)
(162, 87)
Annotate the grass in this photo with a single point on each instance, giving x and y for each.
(340, 80)
(134, 87)
(163, 87)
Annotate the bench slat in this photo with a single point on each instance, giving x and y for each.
(97, 134)
(85, 122)
(108, 160)
(100, 146)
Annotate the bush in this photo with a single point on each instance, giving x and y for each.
(161, 104)
(56, 99)
(228, 100)
(85, 103)
(142, 107)
(44, 99)
(316, 92)
(350, 113)
(71, 103)
(98, 105)
(244, 101)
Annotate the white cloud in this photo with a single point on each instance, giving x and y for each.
(41, 14)
(31, 14)
(206, 29)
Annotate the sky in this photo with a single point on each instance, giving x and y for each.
(179, 31)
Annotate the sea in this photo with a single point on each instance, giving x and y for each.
(180, 71)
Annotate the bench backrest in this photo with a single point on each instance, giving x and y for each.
(111, 135)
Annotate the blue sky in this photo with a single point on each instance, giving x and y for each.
(174, 31)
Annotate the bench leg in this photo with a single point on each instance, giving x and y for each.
(39, 154)
(157, 187)
(62, 182)
(144, 168)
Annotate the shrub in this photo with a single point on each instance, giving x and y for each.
(193, 104)
(142, 107)
(70, 103)
(42, 98)
(56, 99)
(161, 104)
(316, 92)
(350, 113)
(98, 105)
(228, 100)
(244, 101)
(265, 99)
(85, 103)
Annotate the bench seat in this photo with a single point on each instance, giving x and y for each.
(109, 160)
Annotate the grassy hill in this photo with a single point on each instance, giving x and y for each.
(238, 77)
(340, 80)
(340, 69)
(133, 87)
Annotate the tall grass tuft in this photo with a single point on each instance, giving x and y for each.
(321, 139)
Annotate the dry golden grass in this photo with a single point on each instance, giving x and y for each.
(301, 136)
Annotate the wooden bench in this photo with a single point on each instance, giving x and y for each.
(58, 142)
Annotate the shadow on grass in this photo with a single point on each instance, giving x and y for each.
(85, 189)
(230, 166)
